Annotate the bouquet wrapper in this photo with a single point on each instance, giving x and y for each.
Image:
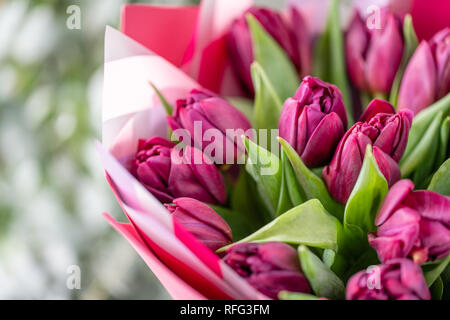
(132, 111)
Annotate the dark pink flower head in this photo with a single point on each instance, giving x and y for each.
(399, 279)
(380, 127)
(167, 174)
(314, 120)
(152, 165)
(270, 267)
(427, 76)
(373, 55)
(218, 123)
(202, 221)
(412, 224)
(291, 34)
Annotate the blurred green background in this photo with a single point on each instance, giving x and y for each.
(52, 186)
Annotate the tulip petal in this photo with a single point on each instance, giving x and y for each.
(384, 56)
(396, 195)
(205, 214)
(375, 107)
(430, 204)
(206, 173)
(323, 141)
(388, 166)
(418, 88)
(412, 276)
(356, 45)
(397, 236)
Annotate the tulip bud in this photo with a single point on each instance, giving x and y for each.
(373, 56)
(427, 76)
(167, 175)
(314, 121)
(291, 35)
(412, 224)
(151, 167)
(399, 279)
(386, 131)
(202, 221)
(269, 268)
(217, 119)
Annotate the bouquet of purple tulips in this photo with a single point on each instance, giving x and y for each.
(258, 159)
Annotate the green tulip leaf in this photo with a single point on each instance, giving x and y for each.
(364, 202)
(422, 158)
(309, 224)
(167, 106)
(324, 282)
(268, 106)
(432, 270)
(437, 289)
(440, 182)
(411, 43)
(266, 170)
(311, 185)
(294, 191)
(238, 222)
(336, 262)
(286, 295)
(421, 135)
(273, 60)
(331, 66)
(444, 142)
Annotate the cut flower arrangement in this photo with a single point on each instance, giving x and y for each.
(256, 158)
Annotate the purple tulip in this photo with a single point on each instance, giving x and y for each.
(168, 175)
(380, 127)
(270, 267)
(373, 56)
(427, 76)
(412, 224)
(399, 279)
(314, 121)
(202, 221)
(215, 116)
(291, 34)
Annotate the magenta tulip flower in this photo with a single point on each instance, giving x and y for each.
(373, 56)
(412, 224)
(399, 279)
(314, 121)
(270, 267)
(380, 127)
(291, 34)
(168, 175)
(202, 221)
(427, 76)
(215, 116)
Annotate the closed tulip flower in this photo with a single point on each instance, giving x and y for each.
(380, 127)
(215, 116)
(399, 279)
(314, 121)
(412, 224)
(291, 34)
(270, 267)
(168, 175)
(373, 56)
(427, 76)
(202, 221)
